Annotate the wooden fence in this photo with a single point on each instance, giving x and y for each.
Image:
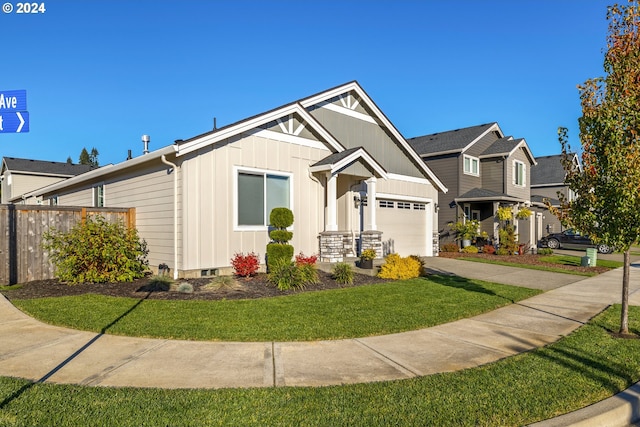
(22, 258)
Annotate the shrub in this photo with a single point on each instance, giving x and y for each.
(285, 274)
(420, 261)
(396, 267)
(279, 249)
(488, 249)
(96, 251)
(368, 254)
(503, 251)
(220, 282)
(302, 259)
(470, 250)
(245, 265)
(185, 288)
(450, 247)
(545, 251)
(508, 239)
(343, 273)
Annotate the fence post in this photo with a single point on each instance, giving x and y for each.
(13, 245)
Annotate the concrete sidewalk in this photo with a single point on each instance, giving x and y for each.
(40, 352)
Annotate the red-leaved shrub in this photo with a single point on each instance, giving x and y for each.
(245, 265)
(488, 249)
(301, 259)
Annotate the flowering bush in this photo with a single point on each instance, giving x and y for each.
(368, 254)
(470, 250)
(245, 265)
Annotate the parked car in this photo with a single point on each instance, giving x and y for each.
(572, 239)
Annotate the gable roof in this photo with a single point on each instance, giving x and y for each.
(43, 167)
(549, 170)
(453, 141)
(506, 147)
(338, 161)
(300, 107)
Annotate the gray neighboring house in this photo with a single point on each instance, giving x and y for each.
(349, 176)
(547, 180)
(483, 170)
(20, 176)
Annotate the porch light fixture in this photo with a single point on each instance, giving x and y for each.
(436, 208)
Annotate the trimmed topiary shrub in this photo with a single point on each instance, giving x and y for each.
(279, 249)
(396, 267)
(97, 251)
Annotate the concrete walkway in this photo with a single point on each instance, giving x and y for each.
(44, 353)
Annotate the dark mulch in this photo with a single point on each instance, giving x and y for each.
(251, 288)
(525, 259)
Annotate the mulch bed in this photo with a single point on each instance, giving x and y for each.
(251, 288)
(525, 259)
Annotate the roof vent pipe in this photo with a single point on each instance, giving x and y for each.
(215, 125)
(145, 140)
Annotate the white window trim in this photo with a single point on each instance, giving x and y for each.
(240, 169)
(471, 160)
(95, 196)
(515, 174)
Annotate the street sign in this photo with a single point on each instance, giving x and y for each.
(13, 100)
(14, 122)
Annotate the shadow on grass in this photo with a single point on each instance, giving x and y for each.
(458, 282)
(75, 354)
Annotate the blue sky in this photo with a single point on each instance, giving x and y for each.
(103, 73)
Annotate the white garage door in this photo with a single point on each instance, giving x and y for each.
(404, 226)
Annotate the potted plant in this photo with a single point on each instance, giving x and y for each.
(465, 230)
(366, 258)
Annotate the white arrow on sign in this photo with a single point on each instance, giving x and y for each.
(21, 122)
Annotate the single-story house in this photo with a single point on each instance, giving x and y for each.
(20, 176)
(349, 176)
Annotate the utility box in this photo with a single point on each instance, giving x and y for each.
(585, 261)
(592, 253)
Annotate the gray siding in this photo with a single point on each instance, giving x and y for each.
(493, 175)
(514, 190)
(353, 132)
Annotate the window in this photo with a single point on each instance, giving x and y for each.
(518, 173)
(386, 204)
(258, 194)
(98, 196)
(419, 206)
(404, 205)
(471, 166)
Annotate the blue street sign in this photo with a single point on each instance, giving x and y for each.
(14, 122)
(13, 100)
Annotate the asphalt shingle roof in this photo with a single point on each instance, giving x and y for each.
(548, 171)
(45, 167)
(447, 141)
(336, 157)
(502, 146)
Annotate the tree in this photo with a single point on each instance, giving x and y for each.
(69, 161)
(88, 159)
(607, 188)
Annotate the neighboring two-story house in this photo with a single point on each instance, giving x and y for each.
(483, 170)
(547, 180)
(20, 176)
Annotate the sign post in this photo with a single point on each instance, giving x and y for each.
(14, 117)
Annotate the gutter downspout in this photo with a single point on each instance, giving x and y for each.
(175, 213)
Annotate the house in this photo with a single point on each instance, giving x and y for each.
(20, 176)
(483, 170)
(351, 179)
(547, 180)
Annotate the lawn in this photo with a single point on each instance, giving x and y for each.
(333, 314)
(583, 368)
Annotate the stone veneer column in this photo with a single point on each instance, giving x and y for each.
(334, 245)
(372, 239)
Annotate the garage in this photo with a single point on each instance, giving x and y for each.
(393, 218)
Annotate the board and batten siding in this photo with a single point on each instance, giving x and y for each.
(209, 185)
(150, 191)
(354, 132)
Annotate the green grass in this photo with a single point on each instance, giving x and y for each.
(574, 260)
(555, 259)
(581, 369)
(335, 314)
(9, 287)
